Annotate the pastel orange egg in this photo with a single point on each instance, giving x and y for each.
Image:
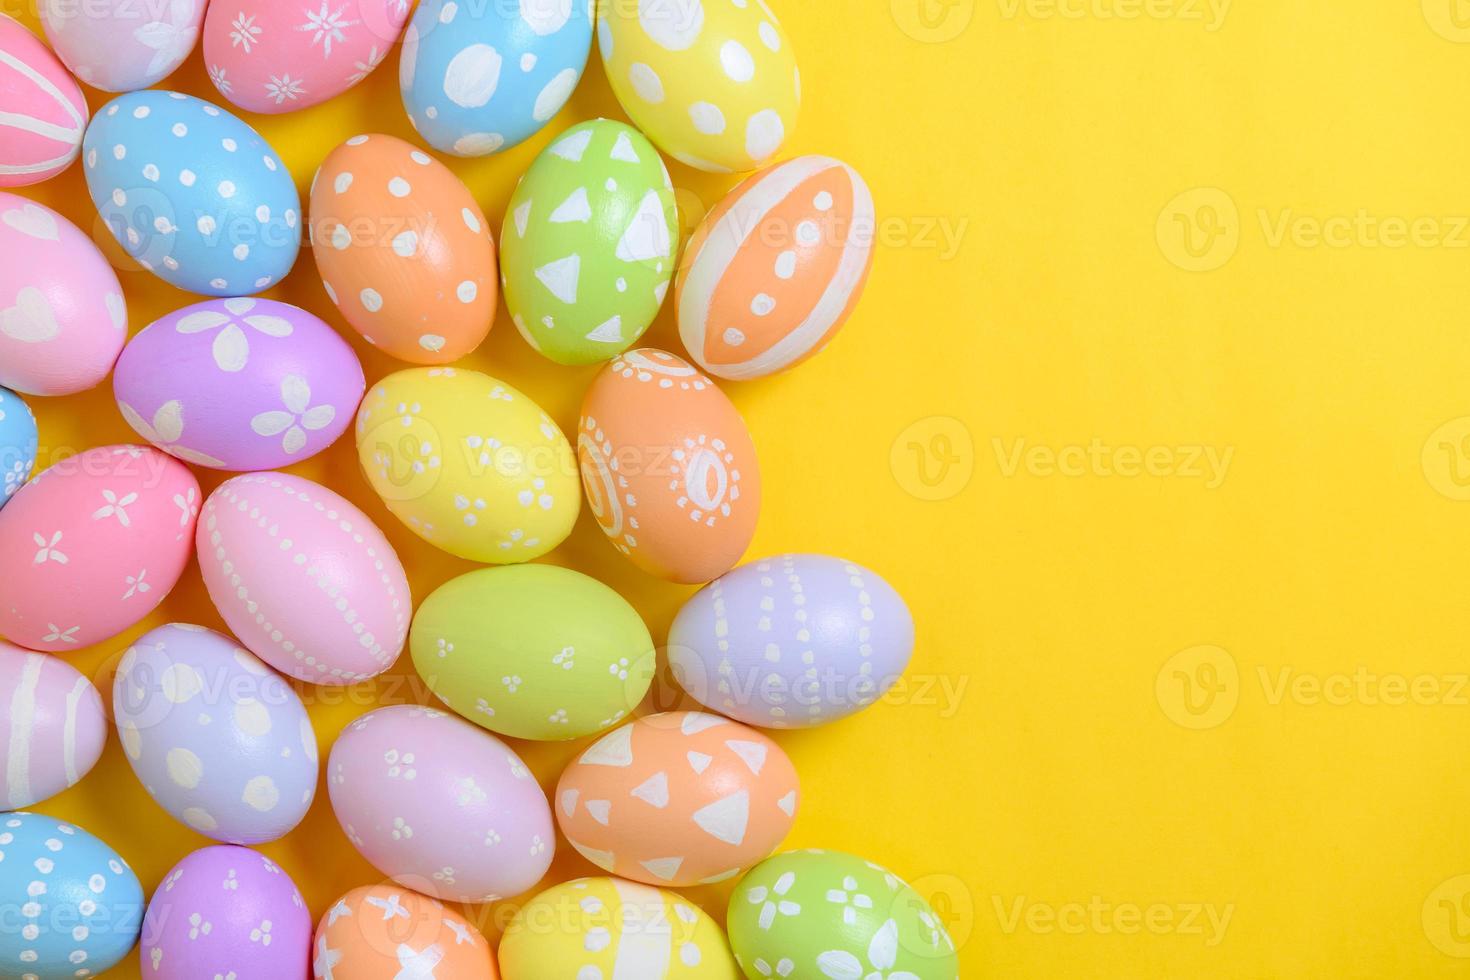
(403, 250)
(680, 798)
(669, 467)
(776, 268)
(380, 932)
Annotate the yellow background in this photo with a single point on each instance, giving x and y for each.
(1099, 223)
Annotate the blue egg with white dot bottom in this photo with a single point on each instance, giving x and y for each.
(478, 78)
(17, 443)
(192, 193)
(69, 904)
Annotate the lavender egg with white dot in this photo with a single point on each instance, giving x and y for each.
(192, 193)
(72, 906)
(217, 738)
(17, 443)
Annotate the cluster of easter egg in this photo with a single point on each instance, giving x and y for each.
(311, 589)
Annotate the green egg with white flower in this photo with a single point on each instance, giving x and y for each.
(533, 651)
(590, 242)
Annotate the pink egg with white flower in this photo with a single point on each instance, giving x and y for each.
(42, 111)
(93, 545)
(303, 578)
(122, 45)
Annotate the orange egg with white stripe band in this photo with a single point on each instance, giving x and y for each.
(776, 268)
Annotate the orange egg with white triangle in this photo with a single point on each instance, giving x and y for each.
(677, 799)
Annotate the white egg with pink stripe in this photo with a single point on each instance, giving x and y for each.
(776, 268)
(42, 111)
(52, 726)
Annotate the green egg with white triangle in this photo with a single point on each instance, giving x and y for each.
(590, 242)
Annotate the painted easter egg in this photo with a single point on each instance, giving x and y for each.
(403, 250)
(52, 727)
(776, 269)
(42, 110)
(478, 78)
(18, 444)
(669, 467)
(276, 57)
(440, 806)
(219, 740)
(192, 193)
(122, 45)
(680, 798)
(383, 931)
(62, 316)
(590, 239)
(225, 910)
(239, 384)
(75, 907)
(714, 84)
(792, 641)
(469, 463)
(92, 545)
(303, 578)
(533, 651)
(814, 915)
(608, 927)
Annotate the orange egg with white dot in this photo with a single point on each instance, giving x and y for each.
(776, 268)
(403, 250)
(668, 466)
(379, 932)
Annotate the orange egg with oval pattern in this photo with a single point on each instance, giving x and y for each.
(403, 250)
(677, 799)
(776, 268)
(382, 932)
(669, 467)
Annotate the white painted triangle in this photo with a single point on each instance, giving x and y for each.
(697, 721)
(647, 235)
(699, 762)
(663, 869)
(569, 801)
(522, 217)
(726, 819)
(722, 876)
(599, 809)
(623, 150)
(573, 146)
(610, 332)
(753, 754)
(603, 859)
(654, 790)
(574, 208)
(561, 277)
(787, 803)
(613, 749)
(661, 290)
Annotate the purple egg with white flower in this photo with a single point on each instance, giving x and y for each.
(239, 384)
(792, 641)
(226, 911)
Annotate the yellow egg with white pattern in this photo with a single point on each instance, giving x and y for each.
(713, 83)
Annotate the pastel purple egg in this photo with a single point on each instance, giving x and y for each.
(439, 805)
(217, 738)
(226, 911)
(792, 641)
(239, 384)
(52, 727)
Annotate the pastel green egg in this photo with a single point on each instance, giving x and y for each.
(814, 915)
(469, 464)
(533, 651)
(590, 241)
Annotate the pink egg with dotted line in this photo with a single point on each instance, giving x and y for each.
(303, 578)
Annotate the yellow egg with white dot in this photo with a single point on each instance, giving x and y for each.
(469, 464)
(713, 83)
(608, 927)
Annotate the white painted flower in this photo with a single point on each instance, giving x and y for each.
(445, 648)
(566, 659)
(839, 964)
(299, 418)
(366, 67)
(217, 75)
(401, 829)
(558, 717)
(619, 668)
(137, 585)
(232, 343)
(326, 26)
(171, 37)
(326, 958)
(850, 899)
(165, 431)
(512, 682)
(483, 707)
(491, 838)
(392, 907)
(188, 505)
(48, 550)
(115, 506)
(244, 31)
(783, 967)
(198, 926)
(59, 635)
(262, 933)
(445, 875)
(283, 87)
(772, 901)
(231, 883)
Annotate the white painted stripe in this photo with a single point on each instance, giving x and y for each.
(22, 720)
(44, 84)
(69, 731)
(30, 124)
(647, 942)
(35, 168)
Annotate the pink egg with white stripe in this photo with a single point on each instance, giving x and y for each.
(42, 111)
(52, 726)
(303, 578)
(776, 268)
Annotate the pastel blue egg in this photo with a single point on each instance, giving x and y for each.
(192, 193)
(481, 77)
(17, 443)
(72, 906)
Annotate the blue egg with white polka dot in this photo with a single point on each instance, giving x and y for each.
(72, 907)
(192, 193)
(17, 444)
(478, 78)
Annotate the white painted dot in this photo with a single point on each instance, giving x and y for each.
(466, 291)
(764, 133)
(674, 27)
(343, 181)
(736, 61)
(372, 301)
(786, 264)
(205, 224)
(263, 214)
(708, 118)
(478, 144)
(551, 98)
(341, 237)
(807, 233)
(762, 305)
(398, 187)
(270, 162)
(646, 83)
(470, 221)
(528, 61)
(151, 172)
(823, 201)
(357, 140)
(179, 130)
(421, 158)
(226, 188)
(118, 197)
(141, 112)
(734, 337)
(770, 37)
(252, 718)
(230, 145)
(184, 767)
(119, 151)
(447, 12)
(261, 793)
(241, 251)
(186, 177)
(405, 243)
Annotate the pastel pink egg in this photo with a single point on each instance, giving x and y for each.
(93, 545)
(439, 805)
(266, 56)
(52, 726)
(42, 108)
(122, 45)
(303, 578)
(62, 316)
